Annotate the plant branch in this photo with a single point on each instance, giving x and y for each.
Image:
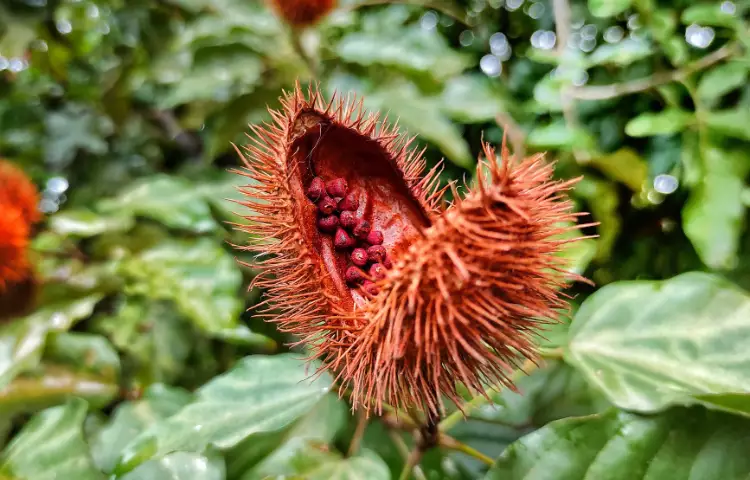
(561, 11)
(404, 450)
(451, 443)
(606, 92)
(451, 420)
(359, 432)
(299, 49)
(515, 133)
(412, 460)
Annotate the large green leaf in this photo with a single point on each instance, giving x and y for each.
(261, 394)
(167, 199)
(51, 446)
(85, 223)
(75, 364)
(413, 49)
(22, 342)
(682, 444)
(267, 455)
(155, 336)
(474, 99)
(651, 344)
(180, 466)
(131, 418)
(321, 464)
(202, 280)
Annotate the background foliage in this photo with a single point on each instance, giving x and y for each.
(140, 361)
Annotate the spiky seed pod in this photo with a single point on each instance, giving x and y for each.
(465, 300)
(18, 191)
(14, 238)
(302, 13)
(467, 286)
(304, 267)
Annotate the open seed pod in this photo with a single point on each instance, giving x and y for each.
(399, 297)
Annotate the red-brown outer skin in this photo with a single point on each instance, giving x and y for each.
(304, 274)
(302, 13)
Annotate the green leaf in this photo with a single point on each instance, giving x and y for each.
(180, 466)
(202, 280)
(666, 122)
(170, 200)
(414, 50)
(321, 464)
(603, 202)
(579, 253)
(473, 99)
(261, 394)
(156, 337)
(720, 80)
(267, 455)
(72, 129)
(710, 14)
(624, 166)
(680, 444)
(218, 73)
(559, 135)
(732, 123)
(85, 223)
(75, 364)
(620, 54)
(737, 403)
(51, 446)
(131, 418)
(713, 219)
(651, 344)
(22, 342)
(608, 8)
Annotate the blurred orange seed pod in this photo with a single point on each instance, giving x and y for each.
(302, 13)
(399, 295)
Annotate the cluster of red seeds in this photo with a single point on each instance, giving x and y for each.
(337, 215)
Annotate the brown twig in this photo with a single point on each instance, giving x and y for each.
(359, 432)
(515, 133)
(561, 11)
(404, 450)
(606, 92)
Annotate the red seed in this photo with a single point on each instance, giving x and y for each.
(354, 275)
(376, 254)
(316, 190)
(327, 205)
(375, 237)
(342, 240)
(377, 271)
(370, 287)
(361, 229)
(350, 202)
(359, 257)
(387, 262)
(348, 220)
(336, 187)
(328, 223)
